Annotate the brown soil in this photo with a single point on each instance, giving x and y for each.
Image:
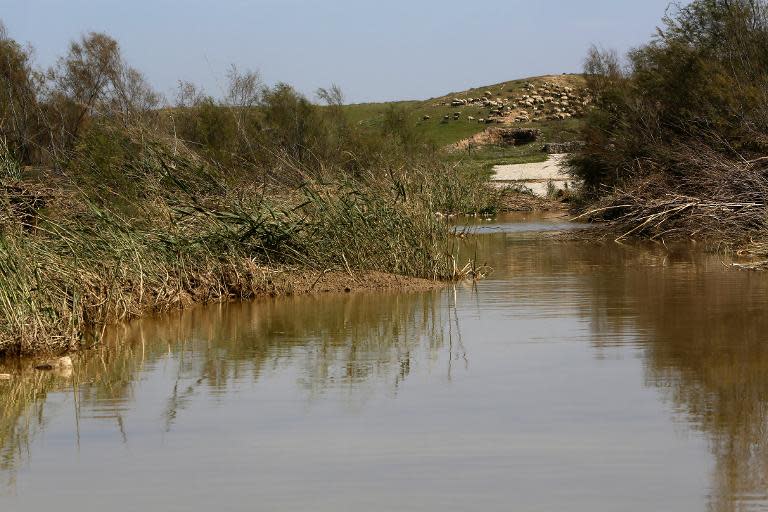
(518, 202)
(487, 137)
(305, 282)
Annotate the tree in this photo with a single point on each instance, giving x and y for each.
(243, 88)
(293, 122)
(700, 83)
(93, 80)
(19, 113)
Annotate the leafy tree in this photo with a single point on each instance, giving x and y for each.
(19, 113)
(702, 80)
(293, 123)
(93, 80)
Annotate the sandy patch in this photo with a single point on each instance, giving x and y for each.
(552, 169)
(535, 176)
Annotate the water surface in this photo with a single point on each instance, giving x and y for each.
(578, 377)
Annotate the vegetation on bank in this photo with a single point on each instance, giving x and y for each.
(677, 144)
(114, 203)
(480, 161)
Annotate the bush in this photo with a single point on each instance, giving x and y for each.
(702, 80)
(19, 123)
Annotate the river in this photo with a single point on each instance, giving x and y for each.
(577, 377)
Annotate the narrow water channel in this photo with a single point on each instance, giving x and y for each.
(577, 377)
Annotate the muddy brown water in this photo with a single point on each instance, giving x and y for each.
(578, 377)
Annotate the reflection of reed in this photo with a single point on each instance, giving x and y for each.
(454, 335)
(703, 329)
(101, 376)
(22, 415)
(334, 341)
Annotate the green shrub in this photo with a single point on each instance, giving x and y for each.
(701, 81)
(9, 167)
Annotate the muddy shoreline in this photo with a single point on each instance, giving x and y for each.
(274, 283)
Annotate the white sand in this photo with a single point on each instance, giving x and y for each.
(535, 176)
(552, 169)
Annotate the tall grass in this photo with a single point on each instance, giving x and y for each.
(9, 167)
(185, 232)
(113, 205)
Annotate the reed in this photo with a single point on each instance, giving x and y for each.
(101, 251)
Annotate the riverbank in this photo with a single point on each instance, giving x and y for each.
(717, 225)
(78, 267)
(534, 186)
(266, 282)
(113, 207)
(542, 179)
(159, 228)
(676, 145)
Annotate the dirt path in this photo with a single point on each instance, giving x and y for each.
(535, 176)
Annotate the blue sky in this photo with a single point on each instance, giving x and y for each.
(374, 49)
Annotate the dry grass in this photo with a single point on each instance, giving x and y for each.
(183, 232)
(721, 199)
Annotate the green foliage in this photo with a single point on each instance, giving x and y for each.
(145, 209)
(144, 224)
(18, 100)
(295, 124)
(210, 128)
(9, 167)
(397, 124)
(701, 81)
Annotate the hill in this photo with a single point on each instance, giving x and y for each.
(456, 122)
(429, 115)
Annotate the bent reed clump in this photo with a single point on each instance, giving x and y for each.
(113, 206)
(88, 259)
(677, 145)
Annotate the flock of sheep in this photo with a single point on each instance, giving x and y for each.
(543, 102)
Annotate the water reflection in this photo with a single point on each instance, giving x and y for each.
(702, 327)
(503, 420)
(338, 342)
(708, 353)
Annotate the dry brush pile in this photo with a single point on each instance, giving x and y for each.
(720, 199)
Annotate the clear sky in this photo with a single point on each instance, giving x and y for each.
(374, 49)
